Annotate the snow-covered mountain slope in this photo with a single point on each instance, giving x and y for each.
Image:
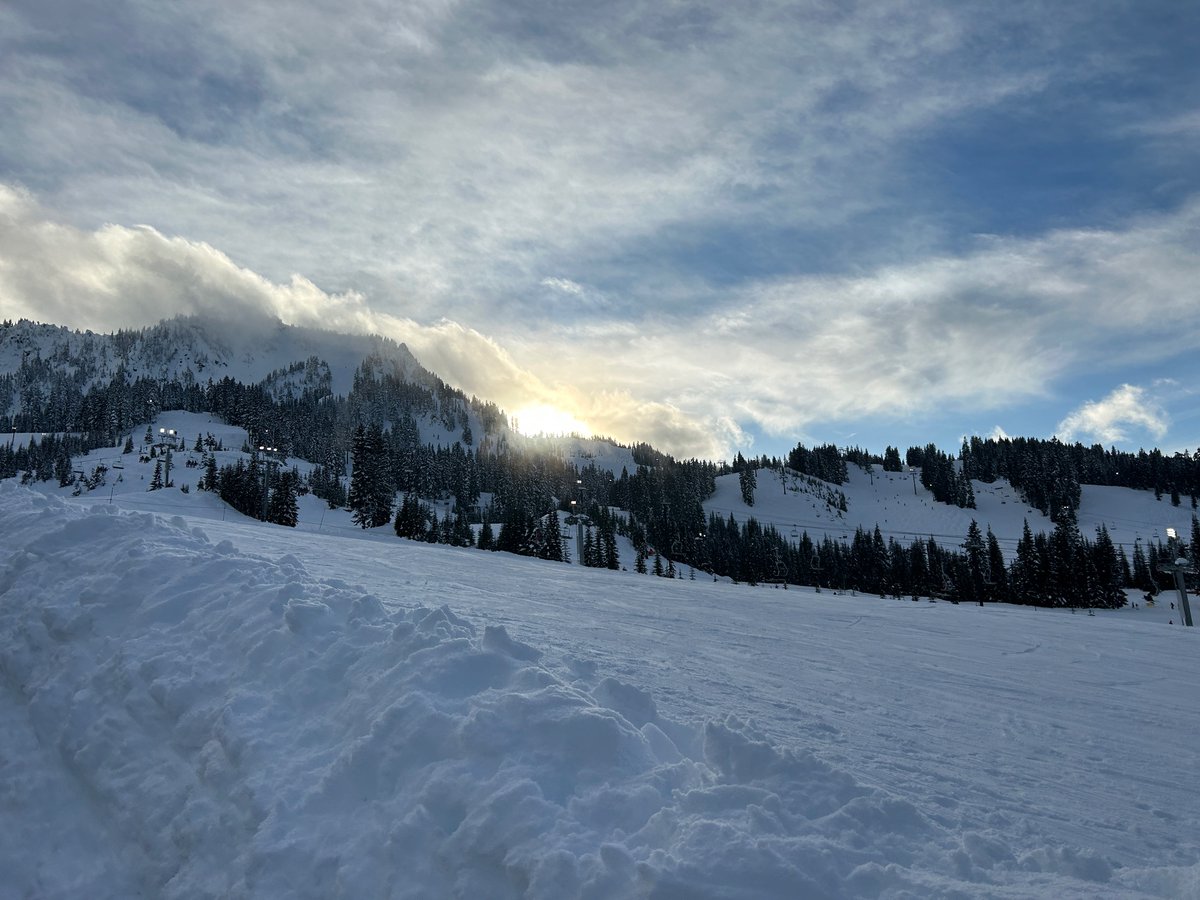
(905, 510)
(605, 455)
(192, 348)
(896, 502)
(40, 361)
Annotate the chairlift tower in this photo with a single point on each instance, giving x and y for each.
(166, 443)
(577, 512)
(1178, 569)
(268, 461)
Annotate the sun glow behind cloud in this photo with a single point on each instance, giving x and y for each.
(541, 418)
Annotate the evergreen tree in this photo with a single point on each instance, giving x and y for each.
(589, 549)
(156, 481)
(411, 518)
(1024, 568)
(611, 558)
(1126, 574)
(371, 491)
(360, 478)
(282, 506)
(62, 467)
(486, 540)
(1065, 575)
(1142, 579)
(880, 563)
(748, 480)
(240, 485)
(972, 590)
(550, 537)
(516, 531)
(208, 481)
(997, 574)
(446, 529)
(1109, 586)
(965, 492)
(918, 567)
(462, 535)
(898, 575)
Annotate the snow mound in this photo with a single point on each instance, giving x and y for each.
(195, 721)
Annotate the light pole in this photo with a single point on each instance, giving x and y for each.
(166, 440)
(267, 463)
(1179, 568)
(578, 521)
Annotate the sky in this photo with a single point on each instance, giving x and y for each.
(716, 227)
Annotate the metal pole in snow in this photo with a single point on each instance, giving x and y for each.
(1178, 569)
(1183, 597)
(166, 440)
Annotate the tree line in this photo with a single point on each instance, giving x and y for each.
(463, 478)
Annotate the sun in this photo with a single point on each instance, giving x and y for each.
(541, 418)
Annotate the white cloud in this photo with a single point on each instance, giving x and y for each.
(456, 152)
(566, 285)
(1109, 419)
(118, 276)
(980, 331)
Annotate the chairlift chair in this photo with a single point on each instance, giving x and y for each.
(778, 571)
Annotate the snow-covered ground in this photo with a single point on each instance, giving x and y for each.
(194, 704)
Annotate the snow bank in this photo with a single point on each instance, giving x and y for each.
(182, 719)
